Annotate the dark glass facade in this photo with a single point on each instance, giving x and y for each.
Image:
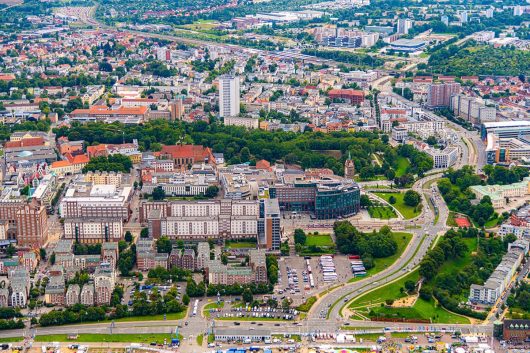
(326, 201)
(337, 202)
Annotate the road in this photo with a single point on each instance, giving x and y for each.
(86, 16)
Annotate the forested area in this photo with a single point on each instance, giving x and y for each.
(454, 188)
(519, 301)
(449, 269)
(471, 59)
(499, 175)
(308, 149)
(112, 163)
(378, 244)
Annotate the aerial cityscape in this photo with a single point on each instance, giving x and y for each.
(233, 176)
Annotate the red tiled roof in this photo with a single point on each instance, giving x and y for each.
(33, 141)
(197, 152)
(263, 164)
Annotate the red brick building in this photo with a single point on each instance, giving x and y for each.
(350, 95)
(185, 155)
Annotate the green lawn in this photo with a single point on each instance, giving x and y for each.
(200, 339)
(319, 240)
(407, 211)
(120, 337)
(492, 223)
(390, 291)
(422, 309)
(160, 317)
(402, 239)
(403, 164)
(11, 339)
(382, 212)
(240, 245)
(208, 307)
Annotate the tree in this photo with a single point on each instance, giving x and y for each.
(52, 259)
(105, 66)
(365, 201)
(122, 245)
(245, 154)
(42, 254)
(431, 140)
(410, 286)
(185, 299)
(426, 292)
(299, 236)
(412, 198)
(163, 245)
(392, 200)
(247, 295)
(144, 233)
(128, 236)
(212, 191)
(286, 304)
(10, 251)
(158, 193)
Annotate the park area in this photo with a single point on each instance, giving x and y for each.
(314, 244)
(402, 240)
(319, 240)
(382, 212)
(407, 211)
(393, 302)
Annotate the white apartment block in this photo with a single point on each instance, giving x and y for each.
(443, 158)
(472, 110)
(501, 277)
(93, 230)
(229, 96)
(84, 200)
(247, 122)
(201, 220)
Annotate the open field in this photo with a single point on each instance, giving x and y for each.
(201, 25)
(319, 240)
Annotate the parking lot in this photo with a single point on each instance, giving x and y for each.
(230, 311)
(293, 281)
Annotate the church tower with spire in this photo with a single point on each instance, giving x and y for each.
(349, 167)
